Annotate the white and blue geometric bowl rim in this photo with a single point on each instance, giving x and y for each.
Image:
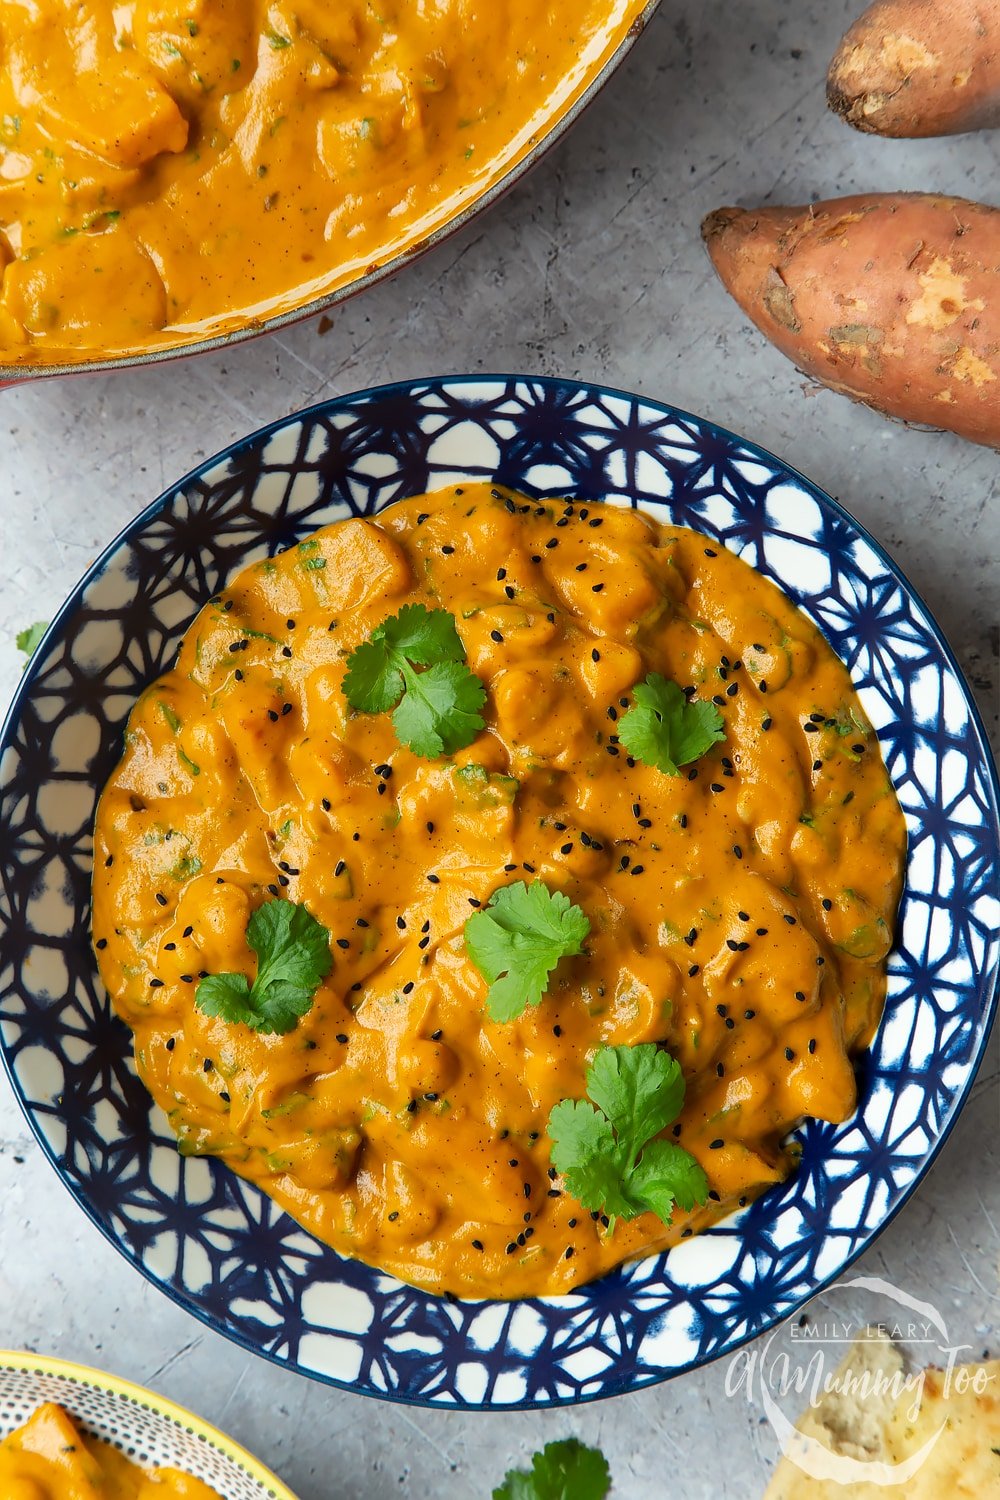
(218, 1246)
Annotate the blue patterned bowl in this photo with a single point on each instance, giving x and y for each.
(218, 1246)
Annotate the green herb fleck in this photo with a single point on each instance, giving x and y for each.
(567, 1470)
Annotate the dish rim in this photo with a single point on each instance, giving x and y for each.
(21, 1361)
(15, 374)
(755, 450)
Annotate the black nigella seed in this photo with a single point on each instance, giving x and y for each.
(325, 804)
(820, 960)
(272, 716)
(553, 541)
(638, 869)
(826, 904)
(625, 861)
(447, 550)
(474, 902)
(858, 749)
(766, 724)
(595, 655)
(739, 855)
(789, 1054)
(342, 1038)
(361, 922)
(501, 574)
(274, 890)
(683, 820)
(800, 994)
(207, 1065)
(168, 947)
(339, 869)
(557, 1031)
(437, 1035)
(171, 1043)
(156, 984)
(238, 674)
(761, 931)
(810, 728)
(343, 943)
(718, 699)
(509, 590)
(693, 774)
(535, 557)
(496, 636)
(788, 918)
(717, 787)
(102, 943)
(477, 1244)
(430, 827)
(722, 1010)
(716, 1145)
(530, 868)
(566, 849)
(512, 1247)
(286, 650)
(645, 822)
(812, 1045)
(732, 945)
(431, 1097)
(187, 979)
(612, 749)
(730, 1023)
(411, 1108)
(691, 937)
(694, 969)
(612, 713)
(596, 588)
(744, 916)
(817, 765)
(161, 898)
(710, 553)
(434, 879)
(732, 690)
(401, 923)
(423, 942)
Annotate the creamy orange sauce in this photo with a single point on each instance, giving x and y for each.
(171, 169)
(740, 913)
(49, 1458)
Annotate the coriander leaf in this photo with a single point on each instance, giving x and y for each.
(667, 1172)
(640, 1089)
(666, 731)
(584, 1151)
(616, 1160)
(437, 711)
(372, 684)
(293, 956)
(518, 939)
(29, 640)
(566, 1470)
(422, 635)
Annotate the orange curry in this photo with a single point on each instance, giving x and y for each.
(48, 1458)
(172, 169)
(740, 913)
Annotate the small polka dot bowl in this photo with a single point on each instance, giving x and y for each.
(212, 1241)
(148, 1429)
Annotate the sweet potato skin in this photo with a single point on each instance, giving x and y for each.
(893, 299)
(919, 68)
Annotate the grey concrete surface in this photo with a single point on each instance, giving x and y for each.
(593, 267)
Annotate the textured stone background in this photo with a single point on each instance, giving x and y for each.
(593, 267)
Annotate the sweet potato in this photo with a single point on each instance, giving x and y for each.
(919, 67)
(893, 299)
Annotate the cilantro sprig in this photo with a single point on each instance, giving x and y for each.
(566, 1470)
(608, 1148)
(30, 639)
(437, 709)
(666, 731)
(293, 956)
(517, 940)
